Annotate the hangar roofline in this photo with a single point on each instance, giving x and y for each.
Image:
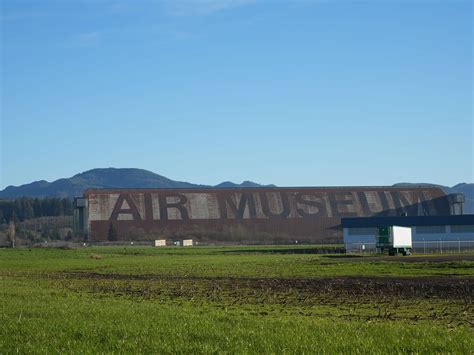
(266, 188)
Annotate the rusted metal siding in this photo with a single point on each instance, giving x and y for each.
(251, 214)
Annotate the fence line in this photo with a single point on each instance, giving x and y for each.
(423, 247)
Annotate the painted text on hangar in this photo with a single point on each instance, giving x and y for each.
(309, 213)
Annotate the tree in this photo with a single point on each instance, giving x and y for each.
(12, 233)
(28, 211)
(36, 204)
(112, 234)
(46, 233)
(56, 207)
(18, 210)
(26, 208)
(67, 206)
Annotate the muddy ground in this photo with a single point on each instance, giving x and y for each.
(424, 287)
(441, 299)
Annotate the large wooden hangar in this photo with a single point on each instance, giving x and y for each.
(249, 215)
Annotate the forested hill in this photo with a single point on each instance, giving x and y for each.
(139, 178)
(102, 179)
(25, 208)
(96, 178)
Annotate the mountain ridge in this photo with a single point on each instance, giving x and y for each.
(101, 178)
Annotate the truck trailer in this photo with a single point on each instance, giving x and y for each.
(394, 240)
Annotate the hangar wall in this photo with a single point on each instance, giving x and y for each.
(253, 215)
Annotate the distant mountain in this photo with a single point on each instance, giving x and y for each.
(139, 178)
(464, 188)
(101, 179)
(227, 184)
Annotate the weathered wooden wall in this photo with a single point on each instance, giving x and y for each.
(251, 214)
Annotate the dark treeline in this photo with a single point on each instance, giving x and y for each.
(26, 208)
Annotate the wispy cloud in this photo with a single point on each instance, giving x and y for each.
(174, 8)
(203, 7)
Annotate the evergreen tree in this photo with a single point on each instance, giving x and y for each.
(45, 208)
(56, 207)
(36, 203)
(28, 212)
(67, 206)
(27, 208)
(18, 209)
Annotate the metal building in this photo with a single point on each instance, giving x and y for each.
(249, 215)
(456, 232)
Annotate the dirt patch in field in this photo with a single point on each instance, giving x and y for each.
(424, 287)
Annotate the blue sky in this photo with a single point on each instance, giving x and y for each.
(293, 93)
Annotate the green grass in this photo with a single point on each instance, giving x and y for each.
(219, 261)
(224, 299)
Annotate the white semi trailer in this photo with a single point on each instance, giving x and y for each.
(394, 240)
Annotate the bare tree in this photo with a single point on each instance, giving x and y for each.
(11, 233)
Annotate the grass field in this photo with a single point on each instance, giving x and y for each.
(233, 299)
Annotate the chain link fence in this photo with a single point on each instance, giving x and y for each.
(423, 247)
